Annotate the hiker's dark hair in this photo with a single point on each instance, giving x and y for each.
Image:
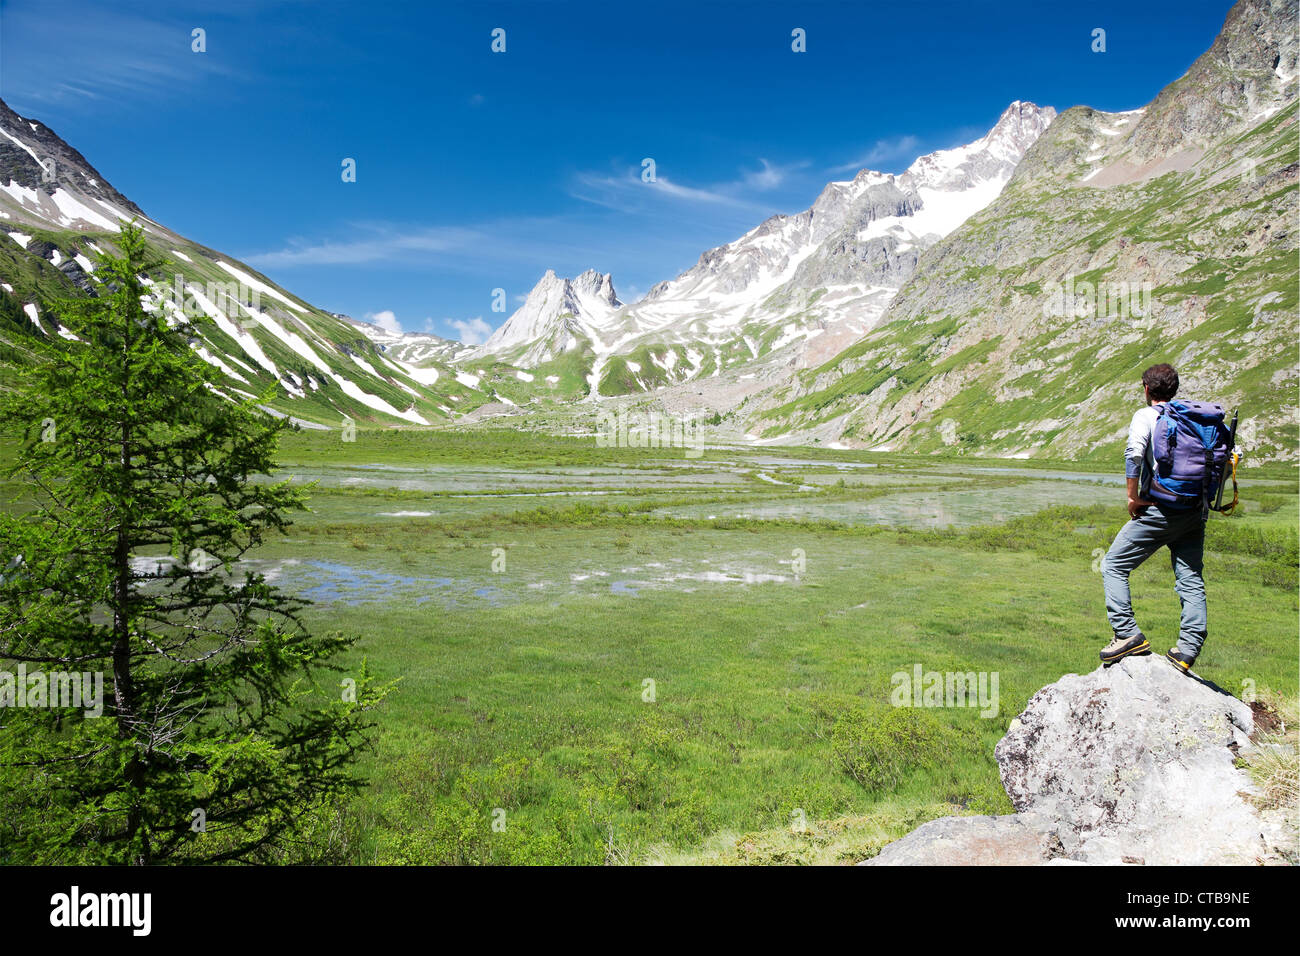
(1161, 381)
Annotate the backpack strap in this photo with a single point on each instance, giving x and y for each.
(1205, 482)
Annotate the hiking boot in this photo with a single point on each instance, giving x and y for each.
(1123, 647)
(1179, 660)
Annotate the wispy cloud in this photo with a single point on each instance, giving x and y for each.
(884, 151)
(386, 244)
(99, 53)
(771, 175)
(506, 244)
(626, 190)
(630, 194)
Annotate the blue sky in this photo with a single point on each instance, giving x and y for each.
(478, 170)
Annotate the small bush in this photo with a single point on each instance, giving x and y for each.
(878, 745)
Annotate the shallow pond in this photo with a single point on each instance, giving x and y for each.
(938, 508)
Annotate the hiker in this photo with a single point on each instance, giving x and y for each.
(1168, 506)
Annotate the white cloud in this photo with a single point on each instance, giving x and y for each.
(473, 331)
(625, 192)
(771, 175)
(677, 191)
(884, 150)
(385, 244)
(531, 240)
(386, 320)
(102, 52)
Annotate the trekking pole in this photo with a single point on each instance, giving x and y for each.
(1229, 462)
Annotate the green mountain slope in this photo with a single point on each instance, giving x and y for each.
(1164, 234)
(57, 213)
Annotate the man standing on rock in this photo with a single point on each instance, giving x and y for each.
(1154, 525)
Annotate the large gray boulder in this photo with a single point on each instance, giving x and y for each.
(1011, 840)
(1133, 763)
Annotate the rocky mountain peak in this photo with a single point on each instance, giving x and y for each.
(993, 156)
(558, 314)
(1247, 75)
(1020, 124)
(46, 182)
(598, 285)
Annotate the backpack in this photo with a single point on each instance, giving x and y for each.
(1192, 447)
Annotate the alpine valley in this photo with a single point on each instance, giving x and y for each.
(1000, 298)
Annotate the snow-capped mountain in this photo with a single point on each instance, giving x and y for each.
(45, 182)
(794, 289)
(57, 212)
(558, 315)
(412, 348)
(831, 244)
(896, 311)
(800, 288)
(797, 288)
(952, 185)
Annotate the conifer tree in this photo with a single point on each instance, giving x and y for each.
(227, 732)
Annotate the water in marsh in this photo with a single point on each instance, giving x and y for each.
(922, 508)
(919, 495)
(469, 479)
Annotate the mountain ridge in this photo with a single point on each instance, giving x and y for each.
(58, 213)
(970, 354)
(751, 297)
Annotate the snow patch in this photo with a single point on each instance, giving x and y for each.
(203, 353)
(352, 390)
(260, 286)
(245, 340)
(30, 309)
(72, 209)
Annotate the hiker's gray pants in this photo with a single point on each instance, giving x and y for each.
(1184, 534)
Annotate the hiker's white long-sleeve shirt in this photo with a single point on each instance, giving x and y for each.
(1139, 452)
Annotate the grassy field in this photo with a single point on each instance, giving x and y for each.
(582, 677)
(635, 656)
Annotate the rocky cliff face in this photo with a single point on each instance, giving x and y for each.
(1133, 763)
(558, 315)
(881, 241)
(1123, 239)
(832, 241)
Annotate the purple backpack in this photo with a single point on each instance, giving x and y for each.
(1191, 445)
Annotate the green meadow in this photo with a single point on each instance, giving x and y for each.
(636, 656)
